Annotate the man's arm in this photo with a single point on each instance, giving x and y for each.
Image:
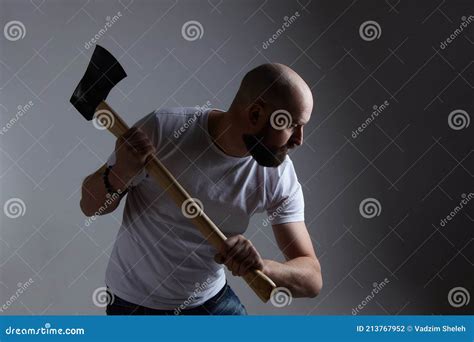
(94, 192)
(133, 149)
(301, 273)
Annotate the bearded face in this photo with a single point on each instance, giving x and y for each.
(265, 155)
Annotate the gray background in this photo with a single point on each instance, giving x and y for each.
(409, 158)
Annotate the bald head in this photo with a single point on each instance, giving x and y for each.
(276, 84)
(259, 114)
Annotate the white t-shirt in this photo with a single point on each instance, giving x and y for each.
(160, 259)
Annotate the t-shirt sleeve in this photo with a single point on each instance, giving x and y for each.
(149, 126)
(286, 200)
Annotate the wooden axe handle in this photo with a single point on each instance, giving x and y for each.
(261, 284)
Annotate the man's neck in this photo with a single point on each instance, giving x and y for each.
(225, 134)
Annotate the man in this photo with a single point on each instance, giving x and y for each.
(236, 164)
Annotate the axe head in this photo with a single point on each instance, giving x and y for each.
(102, 74)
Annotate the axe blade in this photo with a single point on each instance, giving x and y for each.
(102, 74)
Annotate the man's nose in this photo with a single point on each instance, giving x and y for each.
(298, 136)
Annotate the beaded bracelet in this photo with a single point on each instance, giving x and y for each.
(108, 187)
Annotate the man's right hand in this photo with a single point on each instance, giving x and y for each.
(132, 151)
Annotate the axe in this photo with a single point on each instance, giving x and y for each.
(102, 74)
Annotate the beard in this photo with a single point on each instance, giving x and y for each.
(264, 155)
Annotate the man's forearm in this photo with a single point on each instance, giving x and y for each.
(302, 276)
(94, 193)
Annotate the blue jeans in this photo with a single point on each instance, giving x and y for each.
(225, 302)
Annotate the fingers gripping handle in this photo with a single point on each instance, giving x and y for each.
(261, 284)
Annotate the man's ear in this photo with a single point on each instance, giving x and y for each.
(256, 114)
